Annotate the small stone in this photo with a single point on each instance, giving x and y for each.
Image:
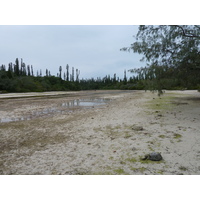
(137, 128)
(134, 149)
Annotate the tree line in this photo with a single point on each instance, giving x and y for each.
(19, 77)
(172, 53)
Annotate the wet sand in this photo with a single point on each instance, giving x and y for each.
(106, 138)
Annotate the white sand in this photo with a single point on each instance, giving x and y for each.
(103, 140)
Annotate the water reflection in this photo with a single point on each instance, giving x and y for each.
(85, 102)
(12, 119)
(68, 106)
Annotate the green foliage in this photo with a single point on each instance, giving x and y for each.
(169, 45)
(15, 79)
(172, 54)
(105, 83)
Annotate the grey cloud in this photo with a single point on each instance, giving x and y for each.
(95, 50)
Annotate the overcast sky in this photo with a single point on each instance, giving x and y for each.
(93, 49)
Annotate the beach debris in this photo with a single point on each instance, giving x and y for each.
(154, 156)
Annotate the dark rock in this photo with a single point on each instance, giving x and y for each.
(154, 156)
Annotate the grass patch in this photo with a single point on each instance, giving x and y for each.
(119, 171)
(163, 103)
(132, 160)
(140, 169)
(183, 168)
(151, 162)
(162, 136)
(103, 173)
(177, 136)
(160, 172)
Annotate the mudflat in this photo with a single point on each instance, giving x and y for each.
(100, 132)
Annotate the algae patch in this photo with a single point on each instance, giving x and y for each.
(177, 136)
(164, 103)
(119, 171)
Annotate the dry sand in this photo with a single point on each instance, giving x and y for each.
(106, 139)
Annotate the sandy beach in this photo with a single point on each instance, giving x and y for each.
(48, 134)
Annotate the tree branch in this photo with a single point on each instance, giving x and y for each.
(185, 34)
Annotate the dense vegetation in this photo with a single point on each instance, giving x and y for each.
(172, 54)
(18, 77)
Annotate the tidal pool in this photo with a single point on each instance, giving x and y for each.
(68, 106)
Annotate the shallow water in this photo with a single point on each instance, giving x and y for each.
(68, 106)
